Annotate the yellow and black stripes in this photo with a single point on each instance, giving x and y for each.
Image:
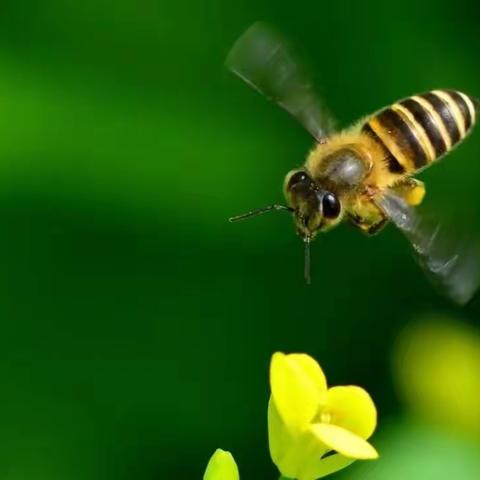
(393, 165)
(418, 130)
(431, 122)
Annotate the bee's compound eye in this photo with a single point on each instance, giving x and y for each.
(299, 178)
(330, 206)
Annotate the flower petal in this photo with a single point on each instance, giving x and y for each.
(343, 441)
(352, 408)
(290, 452)
(321, 467)
(298, 388)
(221, 466)
(311, 368)
(279, 440)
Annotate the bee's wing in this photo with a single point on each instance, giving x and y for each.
(266, 61)
(451, 261)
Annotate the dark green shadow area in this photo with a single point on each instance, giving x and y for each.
(136, 323)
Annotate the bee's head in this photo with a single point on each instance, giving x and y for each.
(314, 208)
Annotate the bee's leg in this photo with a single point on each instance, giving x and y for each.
(411, 190)
(367, 217)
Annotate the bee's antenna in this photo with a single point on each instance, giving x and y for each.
(260, 211)
(307, 260)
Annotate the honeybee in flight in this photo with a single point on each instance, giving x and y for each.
(364, 173)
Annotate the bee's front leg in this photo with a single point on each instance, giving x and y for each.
(367, 217)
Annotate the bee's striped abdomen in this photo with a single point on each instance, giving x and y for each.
(420, 129)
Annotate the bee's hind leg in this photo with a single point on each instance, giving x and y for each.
(370, 219)
(411, 190)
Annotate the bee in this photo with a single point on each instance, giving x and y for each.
(363, 174)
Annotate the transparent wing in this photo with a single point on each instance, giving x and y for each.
(451, 261)
(266, 61)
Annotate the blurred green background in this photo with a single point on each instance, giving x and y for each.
(136, 324)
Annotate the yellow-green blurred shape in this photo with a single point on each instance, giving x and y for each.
(221, 466)
(437, 369)
(411, 451)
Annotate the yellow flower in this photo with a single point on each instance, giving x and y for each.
(221, 466)
(314, 430)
